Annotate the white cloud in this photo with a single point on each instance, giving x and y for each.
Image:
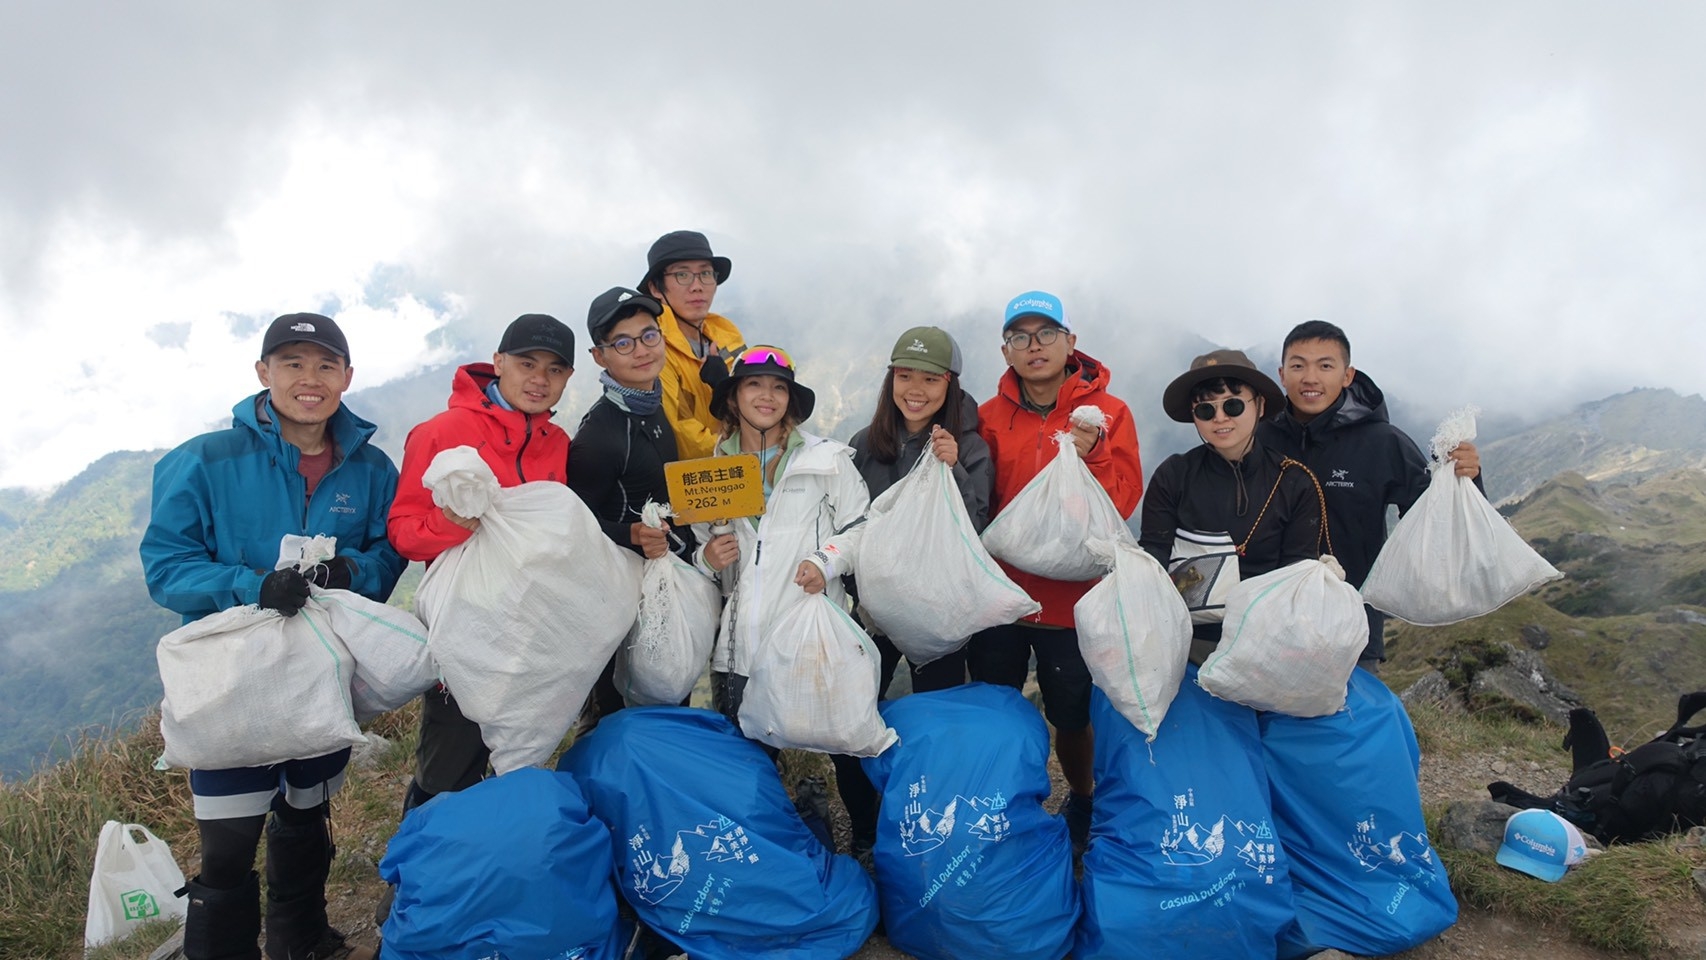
(1500, 204)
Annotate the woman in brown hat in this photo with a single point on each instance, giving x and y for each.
(1229, 509)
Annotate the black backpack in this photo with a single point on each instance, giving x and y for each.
(1655, 789)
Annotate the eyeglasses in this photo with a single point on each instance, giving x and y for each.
(762, 355)
(1231, 406)
(684, 278)
(1022, 340)
(625, 345)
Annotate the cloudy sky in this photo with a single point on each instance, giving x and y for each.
(1502, 203)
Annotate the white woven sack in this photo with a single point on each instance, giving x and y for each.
(134, 881)
(248, 687)
(392, 663)
(814, 684)
(1043, 531)
(1135, 634)
(667, 650)
(1452, 556)
(1290, 641)
(522, 616)
(925, 579)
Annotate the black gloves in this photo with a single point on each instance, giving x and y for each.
(285, 591)
(713, 371)
(335, 574)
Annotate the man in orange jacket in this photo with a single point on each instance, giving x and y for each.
(1048, 378)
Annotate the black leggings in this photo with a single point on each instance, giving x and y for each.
(857, 794)
(228, 846)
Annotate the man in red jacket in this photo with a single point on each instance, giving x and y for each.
(1047, 379)
(503, 410)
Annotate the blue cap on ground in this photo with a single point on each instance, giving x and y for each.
(1541, 844)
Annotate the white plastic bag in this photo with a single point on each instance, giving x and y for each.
(392, 663)
(134, 881)
(814, 684)
(1290, 641)
(248, 687)
(1135, 634)
(1452, 556)
(925, 579)
(667, 650)
(1043, 531)
(522, 616)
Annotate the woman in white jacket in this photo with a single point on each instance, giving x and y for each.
(812, 491)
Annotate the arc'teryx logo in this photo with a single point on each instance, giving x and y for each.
(1340, 474)
(1341, 478)
(342, 504)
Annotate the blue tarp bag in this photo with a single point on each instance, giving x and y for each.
(514, 867)
(1349, 815)
(1183, 861)
(709, 850)
(968, 862)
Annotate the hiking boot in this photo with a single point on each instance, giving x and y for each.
(867, 858)
(1076, 808)
(811, 800)
(382, 910)
(331, 946)
(222, 924)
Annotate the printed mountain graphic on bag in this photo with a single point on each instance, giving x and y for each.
(924, 829)
(1191, 844)
(1375, 852)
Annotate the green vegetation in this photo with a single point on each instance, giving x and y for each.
(1626, 898)
(105, 503)
(49, 825)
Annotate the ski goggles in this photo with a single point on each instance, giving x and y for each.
(758, 356)
(1231, 406)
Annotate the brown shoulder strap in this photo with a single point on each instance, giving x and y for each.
(1321, 536)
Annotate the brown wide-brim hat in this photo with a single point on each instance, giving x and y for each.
(1232, 364)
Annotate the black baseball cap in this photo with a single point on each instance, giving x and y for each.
(610, 306)
(539, 331)
(305, 328)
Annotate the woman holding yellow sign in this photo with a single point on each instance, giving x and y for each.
(811, 492)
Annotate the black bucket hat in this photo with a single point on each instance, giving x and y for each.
(764, 359)
(1232, 364)
(676, 247)
(608, 306)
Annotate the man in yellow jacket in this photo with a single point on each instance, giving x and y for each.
(683, 274)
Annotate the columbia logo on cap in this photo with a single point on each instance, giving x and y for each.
(1022, 304)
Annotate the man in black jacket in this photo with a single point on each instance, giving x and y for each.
(1334, 421)
(624, 440)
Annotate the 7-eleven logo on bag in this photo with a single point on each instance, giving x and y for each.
(139, 905)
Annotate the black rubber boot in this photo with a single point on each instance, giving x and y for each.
(299, 856)
(223, 924)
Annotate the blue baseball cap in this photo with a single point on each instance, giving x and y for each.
(1541, 844)
(1036, 303)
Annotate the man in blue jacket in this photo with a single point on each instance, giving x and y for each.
(294, 461)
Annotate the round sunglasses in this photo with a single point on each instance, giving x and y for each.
(1231, 406)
